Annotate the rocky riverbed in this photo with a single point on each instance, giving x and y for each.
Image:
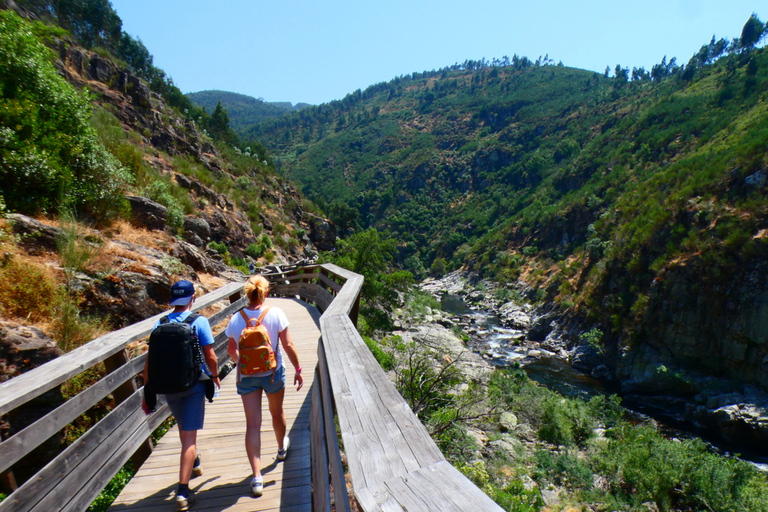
(503, 332)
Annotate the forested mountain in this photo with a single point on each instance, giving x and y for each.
(633, 199)
(243, 110)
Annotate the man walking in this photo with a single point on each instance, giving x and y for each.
(188, 406)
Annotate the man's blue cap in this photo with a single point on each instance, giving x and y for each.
(182, 293)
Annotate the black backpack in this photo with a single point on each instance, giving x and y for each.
(175, 356)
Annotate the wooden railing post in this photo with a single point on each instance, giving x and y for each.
(7, 482)
(121, 394)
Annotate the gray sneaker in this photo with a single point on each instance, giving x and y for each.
(282, 453)
(257, 487)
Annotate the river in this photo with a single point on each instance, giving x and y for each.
(500, 345)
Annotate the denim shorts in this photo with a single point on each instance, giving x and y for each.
(250, 384)
(188, 407)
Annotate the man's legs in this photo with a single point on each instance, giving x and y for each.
(188, 454)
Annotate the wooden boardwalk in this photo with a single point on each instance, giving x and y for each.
(224, 485)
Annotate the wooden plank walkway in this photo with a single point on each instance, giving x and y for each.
(224, 485)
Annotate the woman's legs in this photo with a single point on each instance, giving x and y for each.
(278, 415)
(252, 406)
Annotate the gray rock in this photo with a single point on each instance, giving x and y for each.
(551, 497)
(513, 315)
(22, 348)
(510, 446)
(507, 421)
(37, 238)
(322, 232)
(147, 213)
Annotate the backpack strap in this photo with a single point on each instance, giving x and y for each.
(263, 314)
(248, 320)
(191, 318)
(245, 317)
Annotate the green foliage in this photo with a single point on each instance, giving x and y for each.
(113, 488)
(593, 338)
(424, 381)
(50, 153)
(70, 328)
(635, 463)
(563, 469)
(371, 255)
(386, 360)
(243, 111)
(514, 497)
(175, 199)
(565, 422)
(682, 475)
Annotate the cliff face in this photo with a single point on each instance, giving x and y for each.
(704, 324)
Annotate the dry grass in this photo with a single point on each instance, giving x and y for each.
(126, 232)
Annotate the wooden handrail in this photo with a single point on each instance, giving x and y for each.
(393, 463)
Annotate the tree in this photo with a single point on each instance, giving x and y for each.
(93, 22)
(752, 32)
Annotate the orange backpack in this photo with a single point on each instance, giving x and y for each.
(256, 352)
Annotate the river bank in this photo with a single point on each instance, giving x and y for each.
(506, 328)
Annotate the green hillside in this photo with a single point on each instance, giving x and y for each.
(517, 167)
(243, 110)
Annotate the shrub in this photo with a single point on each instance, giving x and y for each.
(642, 465)
(49, 149)
(71, 329)
(563, 469)
(514, 497)
(565, 422)
(76, 252)
(27, 291)
(219, 247)
(385, 360)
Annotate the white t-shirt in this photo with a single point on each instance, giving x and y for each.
(275, 321)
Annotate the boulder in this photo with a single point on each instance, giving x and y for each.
(197, 231)
(37, 238)
(513, 315)
(147, 213)
(22, 348)
(540, 328)
(507, 421)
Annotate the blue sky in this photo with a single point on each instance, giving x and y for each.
(316, 52)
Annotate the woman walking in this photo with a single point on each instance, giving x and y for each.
(250, 386)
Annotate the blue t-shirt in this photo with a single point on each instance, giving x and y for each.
(202, 329)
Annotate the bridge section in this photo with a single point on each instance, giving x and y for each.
(224, 485)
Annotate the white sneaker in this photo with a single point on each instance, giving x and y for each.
(257, 487)
(283, 452)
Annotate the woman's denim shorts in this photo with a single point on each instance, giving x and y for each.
(250, 384)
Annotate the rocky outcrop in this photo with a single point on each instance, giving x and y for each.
(448, 347)
(322, 232)
(146, 213)
(34, 236)
(22, 348)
